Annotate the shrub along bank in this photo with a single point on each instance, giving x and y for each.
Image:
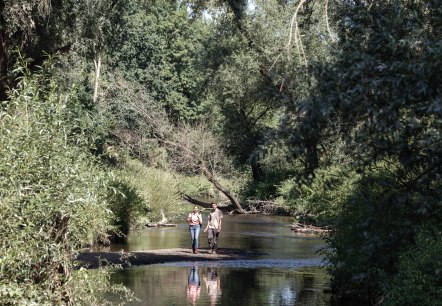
(52, 199)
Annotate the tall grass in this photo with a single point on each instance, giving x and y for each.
(162, 190)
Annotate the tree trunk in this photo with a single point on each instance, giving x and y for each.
(97, 76)
(221, 206)
(312, 159)
(206, 172)
(251, 206)
(256, 170)
(221, 188)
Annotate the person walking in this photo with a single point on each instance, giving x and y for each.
(195, 222)
(214, 223)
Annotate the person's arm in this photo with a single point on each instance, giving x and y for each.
(219, 224)
(208, 220)
(220, 218)
(189, 218)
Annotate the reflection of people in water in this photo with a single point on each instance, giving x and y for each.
(213, 285)
(193, 286)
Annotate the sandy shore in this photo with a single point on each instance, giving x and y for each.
(92, 260)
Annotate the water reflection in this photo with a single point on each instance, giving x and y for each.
(193, 285)
(290, 271)
(203, 284)
(213, 284)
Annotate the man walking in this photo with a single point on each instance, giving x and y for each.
(214, 222)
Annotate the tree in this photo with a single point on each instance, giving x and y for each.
(144, 127)
(247, 106)
(52, 198)
(159, 47)
(41, 27)
(197, 150)
(277, 74)
(383, 92)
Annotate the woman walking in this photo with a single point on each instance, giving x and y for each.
(195, 220)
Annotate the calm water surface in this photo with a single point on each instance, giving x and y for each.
(289, 271)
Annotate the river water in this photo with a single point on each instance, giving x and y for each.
(289, 272)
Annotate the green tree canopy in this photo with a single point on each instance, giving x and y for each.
(159, 47)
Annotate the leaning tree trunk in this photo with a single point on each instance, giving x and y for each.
(97, 64)
(256, 170)
(209, 176)
(312, 158)
(221, 188)
(221, 206)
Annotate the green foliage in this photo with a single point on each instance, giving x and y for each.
(356, 88)
(318, 199)
(126, 205)
(90, 122)
(158, 47)
(419, 279)
(247, 105)
(195, 185)
(52, 199)
(382, 94)
(266, 187)
(158, 188)
(40, 27)
(161, 191)
(378, 221)
(388, 90)
(367, 239)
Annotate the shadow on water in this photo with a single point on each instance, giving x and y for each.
(290, 273)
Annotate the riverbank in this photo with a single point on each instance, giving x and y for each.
(93, 260)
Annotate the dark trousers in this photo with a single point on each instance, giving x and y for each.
(212, 235)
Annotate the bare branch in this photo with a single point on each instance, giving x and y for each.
(298, 41)
(327, 22)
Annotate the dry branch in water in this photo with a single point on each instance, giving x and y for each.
(308, 229)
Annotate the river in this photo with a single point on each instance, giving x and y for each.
(289, 272)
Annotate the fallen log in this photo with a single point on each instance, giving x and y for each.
(160, 225)
(308, 229)
(223, 206)
(267, 208)
(250, 206)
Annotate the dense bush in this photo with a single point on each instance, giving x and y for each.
(420, 273)
(378, 222)
(319, 198)
(52, 200)
(127, 205)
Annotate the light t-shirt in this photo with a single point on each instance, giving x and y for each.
(214, 218)
(194, 219)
